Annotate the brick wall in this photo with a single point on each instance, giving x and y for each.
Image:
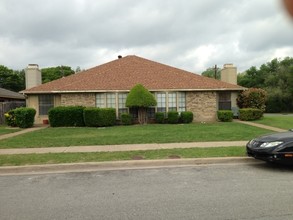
(82, 99)
(203, 105)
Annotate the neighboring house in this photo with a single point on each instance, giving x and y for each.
(107, 85)
(9, 100)
(9, 96)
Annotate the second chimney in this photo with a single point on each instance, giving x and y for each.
(33, 76)
(229, 74)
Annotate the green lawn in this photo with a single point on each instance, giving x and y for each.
(7, 130)
(153, 133)
(279, 121)
(55, 158)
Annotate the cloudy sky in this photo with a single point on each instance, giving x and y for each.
(188, 34)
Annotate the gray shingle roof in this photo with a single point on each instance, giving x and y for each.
(4, 93)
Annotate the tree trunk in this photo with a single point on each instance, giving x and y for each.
(142, 116)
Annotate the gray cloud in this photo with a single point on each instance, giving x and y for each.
(191, 35)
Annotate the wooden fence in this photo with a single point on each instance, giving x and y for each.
(7, 106)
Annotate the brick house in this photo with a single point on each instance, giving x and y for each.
(107, 85)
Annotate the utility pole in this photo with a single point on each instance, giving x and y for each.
(216, 69)
(62, 71)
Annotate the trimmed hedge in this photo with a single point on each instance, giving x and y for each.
(126, 119)
(250, 114)
(21, 117)
(225, 115)
(66, 116)
(79, 116)
(99, 117)
(160, 117)
(91, 116)
(173, 117)
(25, 117)
(107, 117)
(186, 117)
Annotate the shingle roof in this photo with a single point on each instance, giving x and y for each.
(124, 73)
(4, 93)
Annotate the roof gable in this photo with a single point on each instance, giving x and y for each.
(4, 93)
(124, 73)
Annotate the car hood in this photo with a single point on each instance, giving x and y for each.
(282, 136)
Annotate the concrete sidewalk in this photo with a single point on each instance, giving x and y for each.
(116, 165)
(125, 147)
(260, 125)
(26, 130)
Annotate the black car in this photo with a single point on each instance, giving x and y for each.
(277, 147)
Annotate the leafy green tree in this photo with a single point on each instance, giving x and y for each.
(210, 72)
(248, 78)
(11, 80)
(4, 74)
(139, 97)
(275, 102)
(275, 77)
(53, 73)
(17, 80)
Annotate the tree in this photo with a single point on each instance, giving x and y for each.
(249, 78)
(276, 78)
(210, 72)
(139, 97)
(11, 80)
(53, 73)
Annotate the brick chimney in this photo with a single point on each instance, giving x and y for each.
(33, 76)
(229, 74)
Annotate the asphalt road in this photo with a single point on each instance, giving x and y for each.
(227, 191)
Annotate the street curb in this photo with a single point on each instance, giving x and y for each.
(118, 165)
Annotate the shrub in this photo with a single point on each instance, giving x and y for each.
(20, 117)
(10, 118)
(173, 117)
(107, 117)
(160, 117)
(252, 98)
(250, 114)
(186, 117)
(126, 119)
(225, 115)
(91, 116)
(99, 117)
(24, 117)
(66, 116)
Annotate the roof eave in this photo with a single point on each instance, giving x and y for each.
(127, 90)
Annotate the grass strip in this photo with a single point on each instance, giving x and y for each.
(136, 134)
(283, 121)
(8, 130)
(55, 158)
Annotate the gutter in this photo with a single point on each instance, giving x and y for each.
(151, 90)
